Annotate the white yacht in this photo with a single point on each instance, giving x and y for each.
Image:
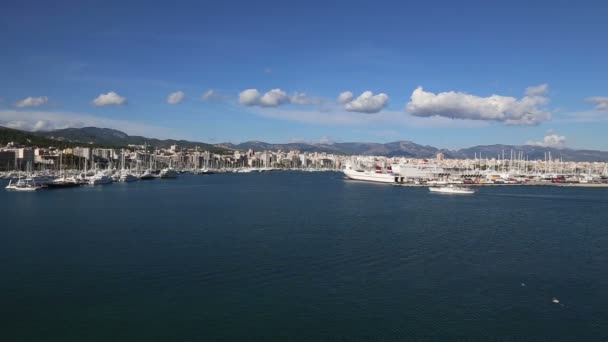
(126, 177)
(147, 175)
(25, 184)
(451, 189)
(99, 179)
(377, 175)
(64, 182)
(168, 173)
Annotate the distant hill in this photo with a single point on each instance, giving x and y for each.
(399, 148)
(532, 152)
(112, 137)
(8, 135)
(413, 150)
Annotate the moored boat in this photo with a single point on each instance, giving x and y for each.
(64, 182)
(168, 173)
(100, 179)
(377, 176)
(451, 189)
(26, 184)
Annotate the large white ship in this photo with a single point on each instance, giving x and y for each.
(396, 173)
(378, 175)
(419, 171)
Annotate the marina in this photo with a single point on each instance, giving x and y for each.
(395, 174)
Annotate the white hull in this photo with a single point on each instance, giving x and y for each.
(452, 190)
(147, 175)
(24, 189)
(125, 178)
(100, 180)
(23, 185)
(371, 176)
(418, 171)
(168, 173)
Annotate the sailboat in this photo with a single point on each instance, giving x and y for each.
(63, 181)
(24, 184)
(125, 175)
(99, 178)
(168, 172)
(147, 174)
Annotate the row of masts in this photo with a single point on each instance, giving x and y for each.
(519, 163)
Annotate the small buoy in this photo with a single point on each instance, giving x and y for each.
(555, 300)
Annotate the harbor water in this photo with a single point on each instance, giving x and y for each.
(295, 256)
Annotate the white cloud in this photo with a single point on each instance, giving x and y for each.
(538, 90)
(211, 95)
(553, 140)
(601, 102)
(456, 105)
(32, 101)
(274, 98)
(24, 125)
(111, 98)
(303, 99)
(584, 116)
(46, 121)
(326, 140)
(345, 97)
(367, 102)
(249, 97)
(343, 118)
(175, 98)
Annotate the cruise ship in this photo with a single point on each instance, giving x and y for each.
(378, 175)
(419, 171)
(396, 173)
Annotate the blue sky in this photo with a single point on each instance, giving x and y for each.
(448, 74)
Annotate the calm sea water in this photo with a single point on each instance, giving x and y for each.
(302, 257)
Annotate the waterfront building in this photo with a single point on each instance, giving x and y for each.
(7, 160)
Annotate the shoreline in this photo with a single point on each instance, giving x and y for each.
(548, 184)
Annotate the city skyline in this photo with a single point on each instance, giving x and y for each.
(447, 75)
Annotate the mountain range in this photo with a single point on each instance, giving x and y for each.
(111, 137)
(413, 150)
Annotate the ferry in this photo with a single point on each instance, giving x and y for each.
(378, 176)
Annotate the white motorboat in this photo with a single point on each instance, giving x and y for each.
(147, 175)
(64, 182)
(168, 173)
(451, 189)
(99, 179)
(125, 176)
(26, 184)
